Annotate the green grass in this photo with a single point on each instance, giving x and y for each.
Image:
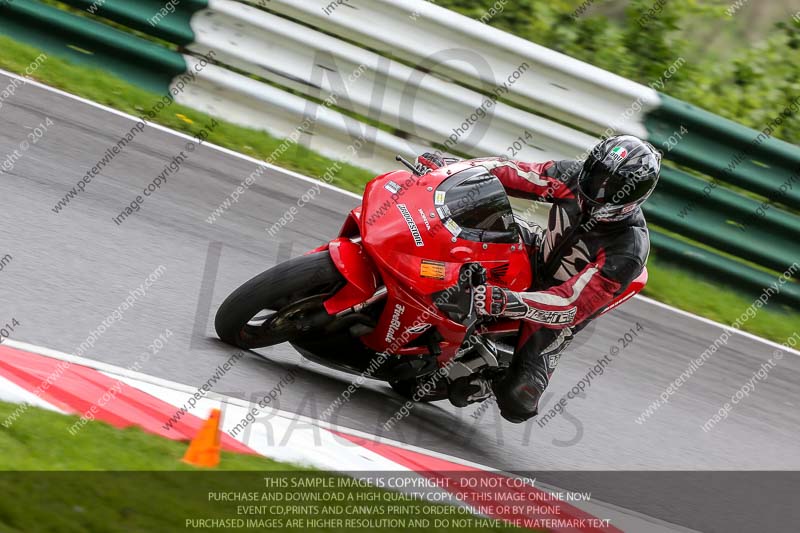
(668, 284)
(683, 290)
(111, 480)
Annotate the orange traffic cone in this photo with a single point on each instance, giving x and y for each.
(205, 446)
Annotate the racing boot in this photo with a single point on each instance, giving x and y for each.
(469, 389)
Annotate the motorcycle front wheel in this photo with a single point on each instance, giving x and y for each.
(281, 304)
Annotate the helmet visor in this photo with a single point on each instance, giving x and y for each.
(601, 187)
(612, 212)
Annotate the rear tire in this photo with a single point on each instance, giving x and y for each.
(307, 279)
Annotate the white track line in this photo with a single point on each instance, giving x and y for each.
(146, 378)
(178, 133)
(717, 324)
(631, 520)
(293, 174)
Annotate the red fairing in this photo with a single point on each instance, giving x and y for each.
(349, 229)
(416, 255)
(359, 271)
(399, 239)
(352, 225)
(320, 248)
(413, 255)
(405, 318)
(402, 229)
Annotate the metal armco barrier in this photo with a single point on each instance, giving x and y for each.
(377, 79)
(731, 224)
(86, 41)
(421, 33)
(730, 152)
(147, 16)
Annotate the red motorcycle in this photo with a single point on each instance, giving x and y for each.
(390, 298)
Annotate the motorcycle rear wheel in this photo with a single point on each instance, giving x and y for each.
(293, 290)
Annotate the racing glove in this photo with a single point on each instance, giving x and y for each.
(429, 162)
(491, 300)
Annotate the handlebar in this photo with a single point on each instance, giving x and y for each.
(407, 163)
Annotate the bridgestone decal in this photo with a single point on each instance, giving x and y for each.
(411, 224)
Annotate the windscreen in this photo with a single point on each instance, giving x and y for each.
(474, 205)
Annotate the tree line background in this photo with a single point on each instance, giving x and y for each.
(742, 56)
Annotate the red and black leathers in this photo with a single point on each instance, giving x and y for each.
(580, 264)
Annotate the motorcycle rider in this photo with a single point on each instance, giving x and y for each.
(596, 243)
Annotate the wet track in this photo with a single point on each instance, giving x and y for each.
(71, 269)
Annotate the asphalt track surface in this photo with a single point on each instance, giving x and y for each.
(70, 270)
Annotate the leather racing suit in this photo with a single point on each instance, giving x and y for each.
(580, 264)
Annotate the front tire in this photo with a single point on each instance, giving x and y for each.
(293, 290)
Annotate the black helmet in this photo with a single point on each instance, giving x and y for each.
(618, 176)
